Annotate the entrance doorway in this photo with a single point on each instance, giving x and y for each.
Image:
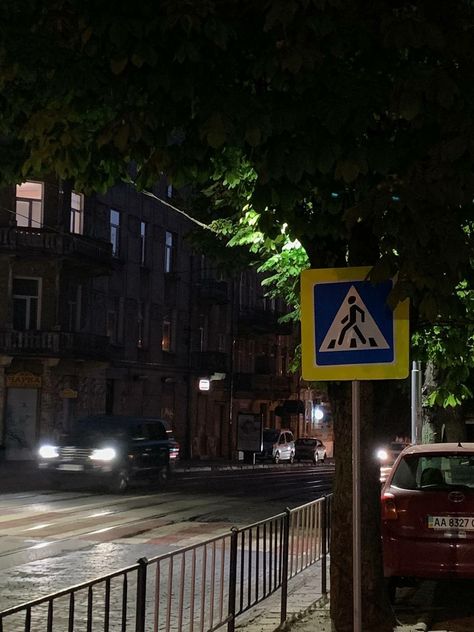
(21, 423)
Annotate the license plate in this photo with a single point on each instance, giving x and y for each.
(451, 522)
(71, 467)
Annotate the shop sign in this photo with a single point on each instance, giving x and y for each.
(23, 379)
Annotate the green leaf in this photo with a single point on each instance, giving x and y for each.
(118, 65)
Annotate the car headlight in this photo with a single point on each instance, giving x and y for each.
(48, 452)
(103, 454)
(382, 454)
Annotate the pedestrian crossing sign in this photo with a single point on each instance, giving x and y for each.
(349, 332)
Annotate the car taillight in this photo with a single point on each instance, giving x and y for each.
(389, 507)
(174, 451)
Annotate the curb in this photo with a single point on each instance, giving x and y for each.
(321, 602)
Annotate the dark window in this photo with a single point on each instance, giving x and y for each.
(25, 304)
(143, 231)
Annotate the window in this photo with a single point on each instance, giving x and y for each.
(221, 342)
(143, 228)
(169, 191)
(74, 309)
(112, 326)
(170, 251)
(77, 213)
(166, 337)
(141, 322)
(26, 295)
(115, 232)
(29, 204)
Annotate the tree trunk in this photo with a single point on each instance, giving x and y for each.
(377, 615)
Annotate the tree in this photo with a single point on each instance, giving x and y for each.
(349, 123)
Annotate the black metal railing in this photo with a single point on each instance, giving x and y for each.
(199, 588)
(58, 343)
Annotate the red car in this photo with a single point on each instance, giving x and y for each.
(428, 514)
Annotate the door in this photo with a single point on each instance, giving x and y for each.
(21, 423)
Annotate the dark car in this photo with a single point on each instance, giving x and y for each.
(428, 514)
(112, 450)
(309, 449)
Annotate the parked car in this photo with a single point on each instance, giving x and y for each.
(428, 514)
(309, 449)
(112, 450)
(278, 445)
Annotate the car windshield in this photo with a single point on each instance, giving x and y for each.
(309, 442)
(94, 430)
(270, 436)
(435, 471)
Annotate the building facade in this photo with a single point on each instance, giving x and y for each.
(108, 308)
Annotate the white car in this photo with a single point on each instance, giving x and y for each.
(278, 444)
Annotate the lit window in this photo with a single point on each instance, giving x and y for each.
(29, 204)
(166, 334)
(170, 251)
(115, 231)
(26, 294)
(169, 191)
(77, 213)
(142, 243)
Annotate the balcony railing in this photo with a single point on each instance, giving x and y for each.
(278, 385)
(49, 242)
(209, 361)
(262, 321)
(212, 291)
(54, 343)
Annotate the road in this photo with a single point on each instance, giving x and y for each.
(53, 539)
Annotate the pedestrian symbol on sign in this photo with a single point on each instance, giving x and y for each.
(353, 327)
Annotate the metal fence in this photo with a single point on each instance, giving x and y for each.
(199, 588)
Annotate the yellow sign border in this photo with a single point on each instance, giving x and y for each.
(398, 369)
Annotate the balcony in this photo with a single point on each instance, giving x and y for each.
(262, 321)
(265, 386)
(209, 361)
(46, 242)
(213, 292)
(79, 346)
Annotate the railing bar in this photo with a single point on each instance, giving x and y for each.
(71, 613)
(27, 621)
(181, 592)
(124, 602)
(213, 585)
(223, 555)
(157, 596)
(49, 626)
(270, 558)
(170, 593)
(280, 553)
(203, 585)
(106, 606)
(242, 569)
(257, 564)
(249, 569)
(90, 598)
(264, 559)
(193, 590)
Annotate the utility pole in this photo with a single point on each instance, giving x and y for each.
(416, 402)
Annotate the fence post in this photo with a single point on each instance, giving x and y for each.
(232, 579)
(284, 566)
(324, 536)
(141, 595)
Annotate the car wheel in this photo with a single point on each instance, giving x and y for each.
(276, 458)
(292, 458)
(120, 481)
(163, 475)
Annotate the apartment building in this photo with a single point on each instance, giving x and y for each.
(106, 307)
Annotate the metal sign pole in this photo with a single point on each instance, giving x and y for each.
(415, 402)
(356, 517)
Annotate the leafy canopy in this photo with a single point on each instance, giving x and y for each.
(353, 119)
